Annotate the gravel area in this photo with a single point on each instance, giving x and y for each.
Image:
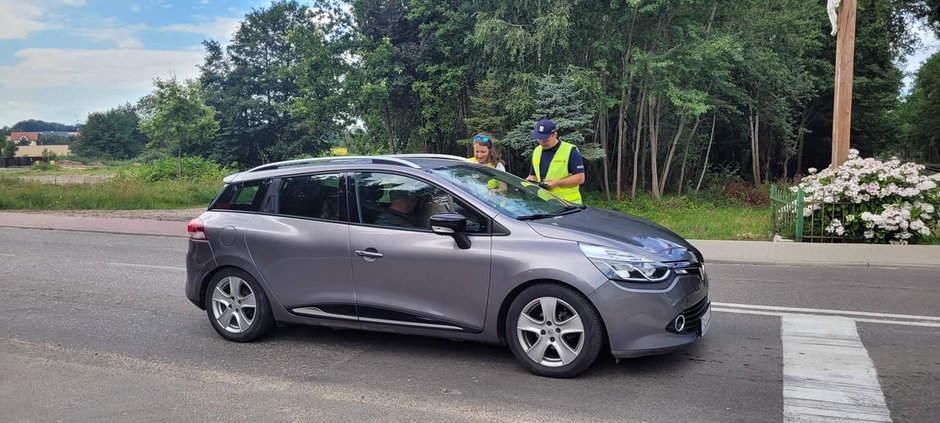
(180, 215)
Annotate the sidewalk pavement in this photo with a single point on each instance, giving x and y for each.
(734, 252)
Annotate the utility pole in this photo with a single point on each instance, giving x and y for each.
(845, 65)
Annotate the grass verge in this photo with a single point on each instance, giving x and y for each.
(114, 194)
(697, 217)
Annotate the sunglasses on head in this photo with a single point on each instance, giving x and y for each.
(481, 138)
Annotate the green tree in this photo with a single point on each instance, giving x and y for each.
(923, 118)
(177, 117)
(7, 149)
(112, 134)
(253, 86)
(56, 140)
(33, 125)
(322, 104)
(559, 99)
(381, 83)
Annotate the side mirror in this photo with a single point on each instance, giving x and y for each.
(451, 224)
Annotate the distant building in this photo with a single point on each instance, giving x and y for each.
(24, 138)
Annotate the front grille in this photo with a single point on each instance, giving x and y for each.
(693, 318)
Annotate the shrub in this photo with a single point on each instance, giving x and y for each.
(877, 201)
(166, 169)
(44, 166)
(150, 156)
(743, 193)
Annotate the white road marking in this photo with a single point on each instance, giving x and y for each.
(827, 373)
(150, 266)
(825, 311)
(779, 314)
(7, 255)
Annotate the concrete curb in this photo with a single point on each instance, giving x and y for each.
(97, 231)
(817, 263)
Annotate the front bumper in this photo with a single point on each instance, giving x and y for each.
(640, 320)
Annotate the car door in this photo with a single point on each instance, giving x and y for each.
(407, 275)
(302, 249)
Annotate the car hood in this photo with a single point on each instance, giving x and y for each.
(618, 230)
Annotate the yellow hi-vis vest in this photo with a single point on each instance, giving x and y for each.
(492, 183)
(557, 169)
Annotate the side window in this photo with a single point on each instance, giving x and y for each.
(244, 196)
(399, 201)
(315, 196)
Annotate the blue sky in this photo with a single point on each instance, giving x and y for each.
(61, 59)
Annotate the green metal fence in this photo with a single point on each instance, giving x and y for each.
(814, 226)
(786, 213)
(787, 220)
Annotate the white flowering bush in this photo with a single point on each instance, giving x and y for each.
(873, 200)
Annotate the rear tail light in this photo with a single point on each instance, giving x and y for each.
(197, 230)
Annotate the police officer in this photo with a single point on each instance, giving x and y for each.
(556, 165)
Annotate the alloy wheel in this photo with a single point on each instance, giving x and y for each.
(550, 332)
(233, 304)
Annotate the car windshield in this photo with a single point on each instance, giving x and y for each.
(505, 192)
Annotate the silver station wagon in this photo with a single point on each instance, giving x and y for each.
(439, 246)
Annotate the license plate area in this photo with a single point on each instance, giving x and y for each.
(706, 319)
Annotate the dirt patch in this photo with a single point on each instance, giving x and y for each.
(179, 215)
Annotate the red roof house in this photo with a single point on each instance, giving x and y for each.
(25, 138)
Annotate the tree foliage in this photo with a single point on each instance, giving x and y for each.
(922, 113)
(654, 91)
(34, 125)
(177, 118)
(271, 85)
(112, 134)
(7, 148)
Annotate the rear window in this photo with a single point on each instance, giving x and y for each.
(243, 196)
(315, 196)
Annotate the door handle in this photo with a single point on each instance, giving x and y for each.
(369, 254)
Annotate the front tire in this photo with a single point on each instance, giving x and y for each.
(554, 331)
(237, 306)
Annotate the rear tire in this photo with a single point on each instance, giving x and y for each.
(237, 306)
(554, 331)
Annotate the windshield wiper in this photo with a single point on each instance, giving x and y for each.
(570, 209)
(567, 210)
(536, 216)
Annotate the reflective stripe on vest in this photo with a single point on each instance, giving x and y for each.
(557, 169)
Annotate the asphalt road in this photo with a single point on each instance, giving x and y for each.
(96, 327)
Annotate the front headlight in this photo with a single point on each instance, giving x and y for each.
(617, 264)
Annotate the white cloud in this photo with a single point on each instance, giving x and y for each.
(135, 7)
(18, 20)
(123, 37)
(105, 69)
(220, 28)
(74, 2)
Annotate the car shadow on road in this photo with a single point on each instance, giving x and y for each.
(413, 350)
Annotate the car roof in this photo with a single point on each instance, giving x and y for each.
(289, 167)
